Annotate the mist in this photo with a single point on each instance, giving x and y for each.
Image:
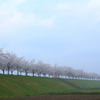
(61, 31)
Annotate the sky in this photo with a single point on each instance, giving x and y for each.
(63, 32)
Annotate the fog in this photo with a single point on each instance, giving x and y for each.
(61, 32)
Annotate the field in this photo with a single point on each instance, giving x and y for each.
(28, 87)
(19, 86)
(60, 97)
(85, 83)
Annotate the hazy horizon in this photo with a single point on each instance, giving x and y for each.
(65, 32)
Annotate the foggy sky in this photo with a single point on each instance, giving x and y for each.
(66, 32)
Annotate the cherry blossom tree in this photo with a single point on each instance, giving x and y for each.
(2, 61)
(19, 64)
(10, 61)
(26, 67)
(33, 67)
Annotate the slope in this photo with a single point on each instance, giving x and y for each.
(18, 86)
(85, 83)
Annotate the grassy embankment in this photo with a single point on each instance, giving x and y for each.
(86, 84)
(20, 86)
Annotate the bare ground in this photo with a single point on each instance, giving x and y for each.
(60, 97)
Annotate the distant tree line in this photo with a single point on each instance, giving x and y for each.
(9, 62)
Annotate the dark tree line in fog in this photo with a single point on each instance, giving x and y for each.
(9, 62)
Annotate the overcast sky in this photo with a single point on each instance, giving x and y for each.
(66, 32)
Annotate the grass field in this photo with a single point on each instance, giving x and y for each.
(12, 86)
(85, 83)
(17, 86)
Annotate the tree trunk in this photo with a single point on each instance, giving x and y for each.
(17, 72)
(11, 72)
(33, 72)
(26, 73)
(3, 71)
(49, 75)
(8, 70)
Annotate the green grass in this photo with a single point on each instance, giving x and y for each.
(90, 84)
(17, 86)
(21, 86)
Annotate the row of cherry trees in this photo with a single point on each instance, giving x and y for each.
(9, 62)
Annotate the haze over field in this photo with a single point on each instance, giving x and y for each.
(66, 32)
